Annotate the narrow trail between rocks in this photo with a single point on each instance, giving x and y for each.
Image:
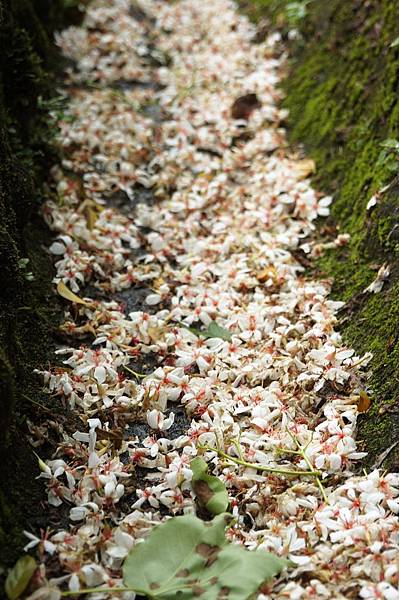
(182, 220)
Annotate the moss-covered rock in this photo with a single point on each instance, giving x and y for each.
(342, 94)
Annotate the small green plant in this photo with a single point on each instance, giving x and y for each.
(185, 557)
(23, 265)
(296, 11)
(389, 155)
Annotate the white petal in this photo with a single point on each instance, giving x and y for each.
(100, 374)
(153, 299)
(167, 424)
(57, 248)
(155, 419)
(78, 513)
(93, 460)
(109, 488)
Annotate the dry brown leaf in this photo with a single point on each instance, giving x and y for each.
(305, 168)
(363, 402)
(69, 327)
(115, 437)
(244, 106)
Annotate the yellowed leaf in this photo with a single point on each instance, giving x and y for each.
(91, 211)
(91, 217)
(305, 167)
(155, 333)
(66, 293)
(156, 284)
(266, 274)
(363, 402)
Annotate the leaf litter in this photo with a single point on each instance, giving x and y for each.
(246, 342)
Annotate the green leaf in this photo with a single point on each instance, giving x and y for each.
(212, 331)
(19, 577)
(184, 558)
(395, 43)
(210, 490)
(215, 331)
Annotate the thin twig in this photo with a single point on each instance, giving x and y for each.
(37, 404)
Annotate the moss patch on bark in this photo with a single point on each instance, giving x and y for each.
(27, 311)
(342, 94)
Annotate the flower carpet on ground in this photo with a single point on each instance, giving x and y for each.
(178, 185)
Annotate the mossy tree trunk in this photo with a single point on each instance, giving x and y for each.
(342, 94)
(27, 60)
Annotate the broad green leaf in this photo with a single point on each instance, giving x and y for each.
(215, 331)
(19, 577)
(210, 490)
(395, 43)
(66, 293)
(184, 558)
(239, 570)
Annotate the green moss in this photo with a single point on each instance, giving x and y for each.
(342, 94)
(27, 309)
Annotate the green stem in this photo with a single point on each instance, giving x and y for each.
(288, 451)
(138, 375)
(238, 448)
(96, 591)
(318, 480)
(113, 590)
(260, 467)
(302, 452)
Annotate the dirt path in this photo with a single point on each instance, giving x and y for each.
(183, 219)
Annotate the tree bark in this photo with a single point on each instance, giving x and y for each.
(27, 73)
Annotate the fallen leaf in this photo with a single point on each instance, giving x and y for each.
(212, 331)
(115, 436)
(244, 106)
(198, 561)
(364, 402)
(19, 577)
(91, 211)
(305, 167)
(266, 274)
(91, 218)
(66, 293)
(216, 331)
